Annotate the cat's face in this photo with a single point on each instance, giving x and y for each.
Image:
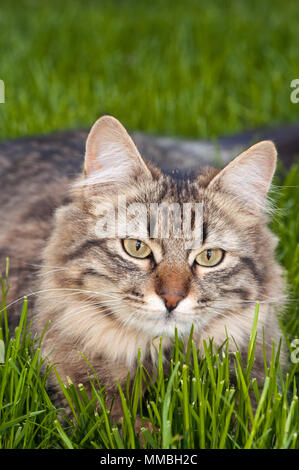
(155, 284)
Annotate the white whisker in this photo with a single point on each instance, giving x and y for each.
(36, 293)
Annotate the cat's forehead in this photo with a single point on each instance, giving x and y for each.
(169, 189)
(213, 217)
(177, 215)
(182, 211)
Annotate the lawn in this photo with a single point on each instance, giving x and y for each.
(182, 68)
(191, 68)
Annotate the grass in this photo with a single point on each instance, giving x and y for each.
(187, 68)
(194, 405)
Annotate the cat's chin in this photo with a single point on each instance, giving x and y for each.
(166, 326)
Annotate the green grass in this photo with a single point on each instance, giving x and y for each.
(195, 405)
(187, 68)
(286, 225)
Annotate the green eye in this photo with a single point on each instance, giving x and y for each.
(210, 258)
(136, 248)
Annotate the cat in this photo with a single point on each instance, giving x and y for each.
(107, 296)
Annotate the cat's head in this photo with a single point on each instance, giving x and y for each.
(215, 257)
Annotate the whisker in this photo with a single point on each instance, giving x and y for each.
(127, 323)
(72, 315)
(55, 289)
(272, 300)
(45, 266)
(50, 272)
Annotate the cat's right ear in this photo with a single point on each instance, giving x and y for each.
(111, 156)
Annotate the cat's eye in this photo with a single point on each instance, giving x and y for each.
(210, 258)
(136, 248)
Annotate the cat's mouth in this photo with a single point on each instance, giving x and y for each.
(168, 315)
(165, 322)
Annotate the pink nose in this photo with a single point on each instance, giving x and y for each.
(172, 285)
(171, 300)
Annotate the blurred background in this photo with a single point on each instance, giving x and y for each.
(185, 68)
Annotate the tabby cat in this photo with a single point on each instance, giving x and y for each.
(107, 296)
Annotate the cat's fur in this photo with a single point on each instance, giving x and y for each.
(105, 304)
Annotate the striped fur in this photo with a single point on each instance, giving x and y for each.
(105, 304)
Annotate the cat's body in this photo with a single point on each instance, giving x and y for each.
(105, 302)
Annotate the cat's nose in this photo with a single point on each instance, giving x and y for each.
(172, 285)
(171, 300)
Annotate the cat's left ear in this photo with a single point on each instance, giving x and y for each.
(111, 155)
(248, 177)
